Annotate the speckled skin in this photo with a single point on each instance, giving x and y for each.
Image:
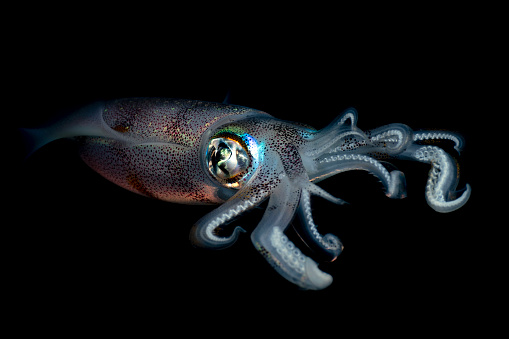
(159, 155)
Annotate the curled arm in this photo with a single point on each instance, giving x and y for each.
(441, 193)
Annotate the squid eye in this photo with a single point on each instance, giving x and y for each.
(228, 160)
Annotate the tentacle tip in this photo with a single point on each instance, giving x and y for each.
(333, 246)
(453, 205)
(200, 239)
(462, 199)
(317, 190)
(317, 279)
(341, 202)
(340, 250)
(468, 191)
(459, 143)
(397, 186)
(239, 229)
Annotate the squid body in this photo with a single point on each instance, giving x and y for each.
(197, 152)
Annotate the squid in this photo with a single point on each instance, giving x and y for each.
(198, 152)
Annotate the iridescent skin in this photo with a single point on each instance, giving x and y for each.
(196, 152)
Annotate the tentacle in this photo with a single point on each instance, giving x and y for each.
(390, 139)
(317, 190)
(441, 192)
(348, 117)
(340, 133)
(394, 182)
(458, 140)
(329, 245)
(278, 250)
(345, 140)
(205, 232)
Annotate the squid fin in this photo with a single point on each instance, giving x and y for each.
(227, 98)
(35, 138)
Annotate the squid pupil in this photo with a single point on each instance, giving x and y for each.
(225, 152)
(222, 156)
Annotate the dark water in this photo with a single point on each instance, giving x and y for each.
(74, 238)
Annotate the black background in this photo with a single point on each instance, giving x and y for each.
(79, 243)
